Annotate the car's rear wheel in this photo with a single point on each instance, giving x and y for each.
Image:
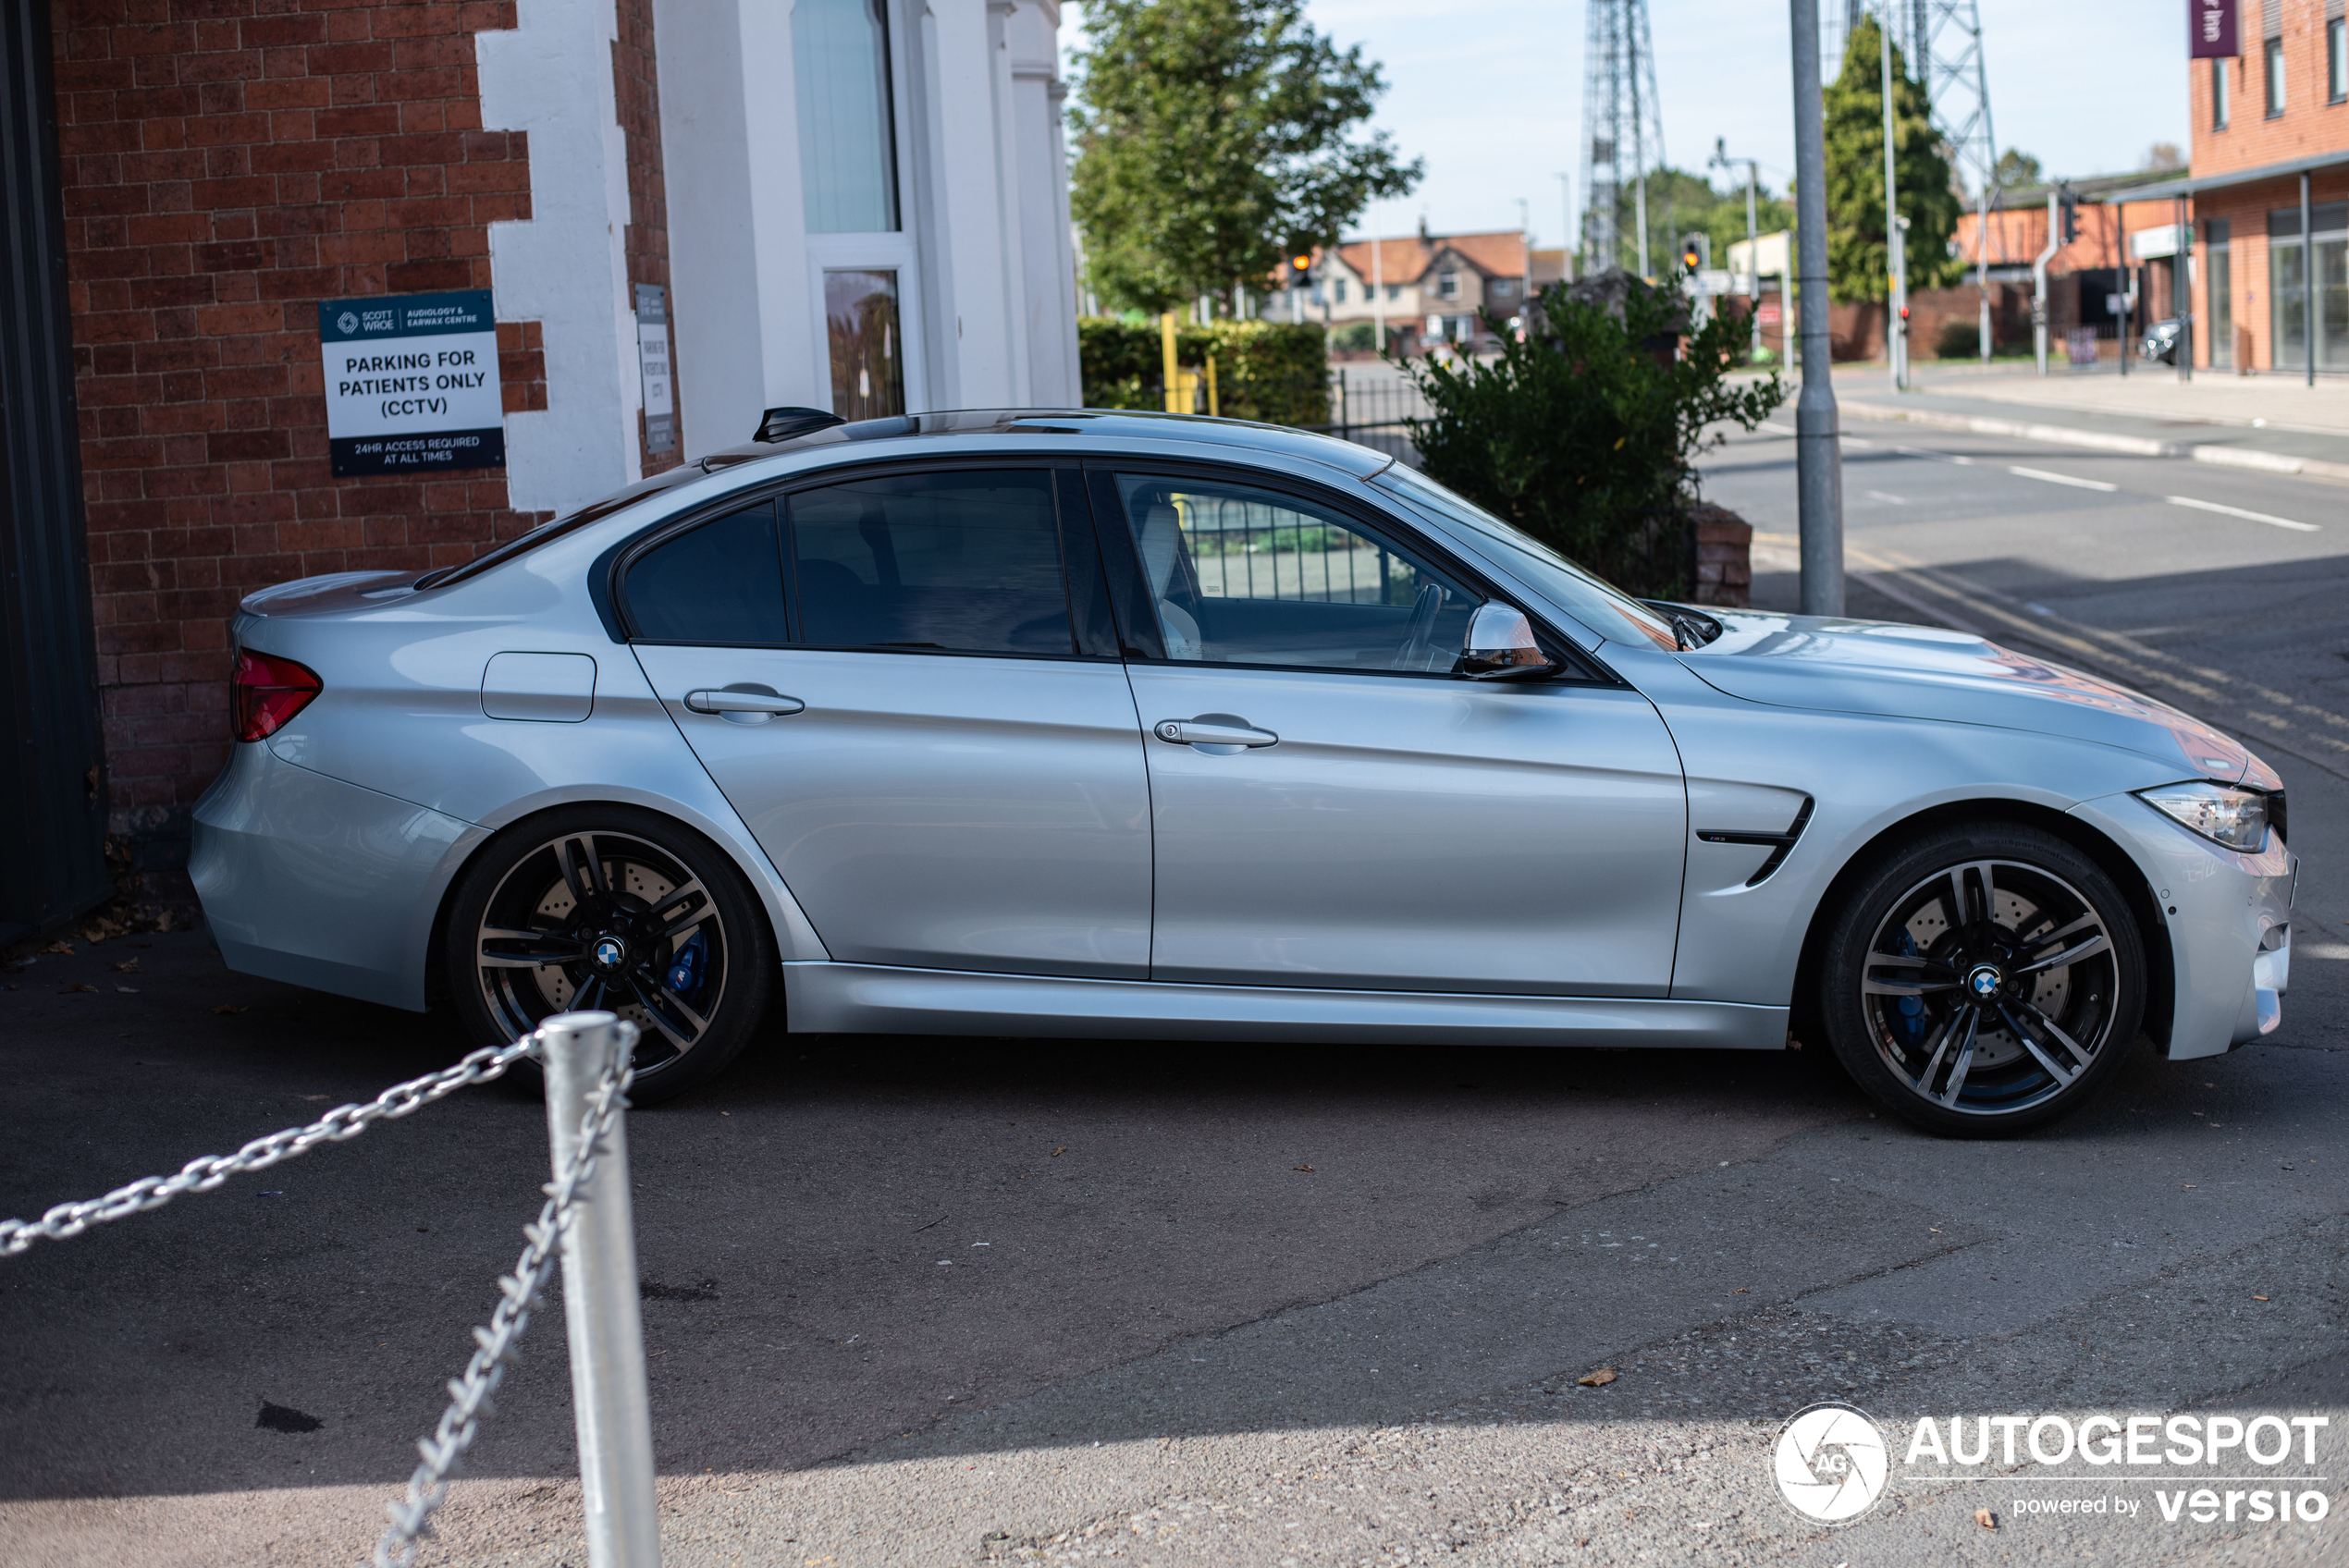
(1987, 978)
(613, 908)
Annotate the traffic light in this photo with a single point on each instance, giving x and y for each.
(2069, 206)
(1689, 258)
(1696, 252)
(1298, 267)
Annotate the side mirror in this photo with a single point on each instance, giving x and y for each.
(1501, 646)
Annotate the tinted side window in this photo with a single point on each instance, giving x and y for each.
(961, 561)
(1247, 576)
(720, 583)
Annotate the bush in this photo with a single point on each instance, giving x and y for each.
(1586, 434)
(1957, 339)
(1275, 372)
(1359, 337)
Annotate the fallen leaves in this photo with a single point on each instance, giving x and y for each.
(1597, 1379)
(1304, 1167)
(2258, 1298)
(65, 947)
(227, 1009)
(127, 966)
(1985, 1518)
(77, 985)
(1060, 1151)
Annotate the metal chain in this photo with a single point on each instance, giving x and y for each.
(204, 1174)
(469, 1394)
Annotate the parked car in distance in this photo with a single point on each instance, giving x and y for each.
(2160, 341)
(1119, 725)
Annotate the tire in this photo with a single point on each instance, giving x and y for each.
(604, 898)
(1958, 1018)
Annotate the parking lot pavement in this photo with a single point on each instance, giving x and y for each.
(927, 1300)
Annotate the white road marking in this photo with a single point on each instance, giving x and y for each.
(1880, 495)
(2238, 511)
(1936, 457)
(2043, 475)
(1776, 429)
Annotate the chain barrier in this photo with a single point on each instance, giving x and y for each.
(202, 1174)
(521, 1291)
(469, 1394)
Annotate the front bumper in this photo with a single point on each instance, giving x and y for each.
(2225, 916)
(308, 879)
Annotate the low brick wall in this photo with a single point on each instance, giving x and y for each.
(1724, 557)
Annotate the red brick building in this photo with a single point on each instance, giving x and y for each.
(202, 199)
(2270, 192)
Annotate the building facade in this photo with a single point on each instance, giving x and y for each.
(680, 211)
(1428, 288)
(2269, 194)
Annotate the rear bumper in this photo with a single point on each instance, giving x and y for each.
(2226, 917)
(308, 879)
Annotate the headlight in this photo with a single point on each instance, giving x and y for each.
(2221, 813)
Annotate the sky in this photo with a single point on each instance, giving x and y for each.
(1490, 92)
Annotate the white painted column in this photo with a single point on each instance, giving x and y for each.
(566, 267)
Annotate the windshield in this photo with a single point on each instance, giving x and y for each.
(547, 533)
(1606, 609)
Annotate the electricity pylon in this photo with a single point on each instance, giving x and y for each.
(1622, 132)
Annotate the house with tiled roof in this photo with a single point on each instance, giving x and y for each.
(1427, 287)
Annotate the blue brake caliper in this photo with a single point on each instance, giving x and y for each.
(1907, 1018)
(688, 968)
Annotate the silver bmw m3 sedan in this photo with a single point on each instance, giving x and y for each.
(1113, 725)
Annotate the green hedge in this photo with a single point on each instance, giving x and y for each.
(1277, 371)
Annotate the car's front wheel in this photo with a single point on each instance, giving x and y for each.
(1983, 979)
(612, 908)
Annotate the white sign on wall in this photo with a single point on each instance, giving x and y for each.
(652, 359)
(411, 383)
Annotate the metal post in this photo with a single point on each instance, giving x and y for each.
(1640, 199)
(1378, 293)
(2181, 289)
(1982, 263)
(1753, 261)
(2307, 280)
(600, 1308)
(1817, 442)
(1892, 246)
(1566, 215)
(2039, 285)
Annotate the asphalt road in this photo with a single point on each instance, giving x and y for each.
(933, 1301)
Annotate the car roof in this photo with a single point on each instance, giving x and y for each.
(1105, 424)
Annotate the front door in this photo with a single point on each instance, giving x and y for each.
(937, 750)
(1333, 808)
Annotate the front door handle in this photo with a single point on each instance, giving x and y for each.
(755, 704)
(1212, 729)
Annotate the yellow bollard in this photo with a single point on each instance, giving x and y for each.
(1212, 410)
(1174, 376)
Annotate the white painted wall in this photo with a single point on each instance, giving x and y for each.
(566, 267)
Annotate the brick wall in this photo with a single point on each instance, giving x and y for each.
(227, 164)
(636, 81)
(2309, 123)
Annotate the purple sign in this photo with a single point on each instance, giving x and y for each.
(2212, 26)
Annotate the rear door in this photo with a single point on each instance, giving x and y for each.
(1331, 805)
(905, 683)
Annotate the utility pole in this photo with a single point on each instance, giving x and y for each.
(2040, 284)
(1378, 292)
(1896, 297)
(1525, 285)
(1622, 127)
(1641, 200)
(1818, 459)
(1566, 217)
(1753, 244)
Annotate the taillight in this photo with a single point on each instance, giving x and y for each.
(265, 693)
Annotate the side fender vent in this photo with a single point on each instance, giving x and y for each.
(1780, 843)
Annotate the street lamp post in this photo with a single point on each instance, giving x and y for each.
(1818, 460)
(1752, 245)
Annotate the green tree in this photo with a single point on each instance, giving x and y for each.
(1212, 136)
(2017, 169)
(1859, 264)
(1680, 203)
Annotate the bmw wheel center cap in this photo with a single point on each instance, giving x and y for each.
(1983, 981)
(609, 953)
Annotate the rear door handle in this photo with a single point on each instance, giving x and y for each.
(1204, 732)
(765, 704)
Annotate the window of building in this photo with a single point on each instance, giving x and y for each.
(957, 561)
(2274, 63)
(1447, 285)
(847, 127)
(1341, 291)
(2219, 94)
(866, 343)
(719, 584)
(1505, 288)
(1394, 291)
(2337, 60)
(2217, 283)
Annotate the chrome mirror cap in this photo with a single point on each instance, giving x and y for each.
(1501, 646)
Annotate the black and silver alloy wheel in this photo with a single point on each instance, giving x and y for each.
(1984, 981)
(608, 908)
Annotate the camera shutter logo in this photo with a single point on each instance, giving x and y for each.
(1831, 1463)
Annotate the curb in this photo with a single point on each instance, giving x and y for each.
(2103, 441)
